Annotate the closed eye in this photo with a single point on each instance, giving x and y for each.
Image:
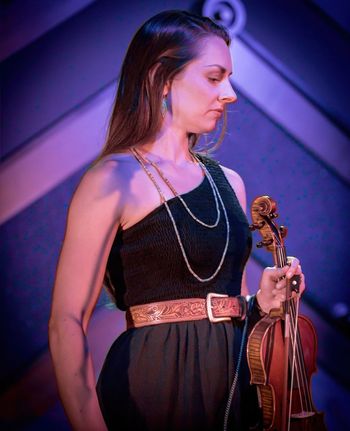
(214, 80)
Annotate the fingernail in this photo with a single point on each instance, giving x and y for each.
(289, 274)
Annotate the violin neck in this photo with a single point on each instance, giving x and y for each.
(280, 256)
(281, 260)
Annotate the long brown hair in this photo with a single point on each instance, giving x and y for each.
(160, 49)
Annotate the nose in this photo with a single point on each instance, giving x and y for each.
(227, 94)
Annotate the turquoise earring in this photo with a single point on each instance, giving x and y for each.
(164, 107)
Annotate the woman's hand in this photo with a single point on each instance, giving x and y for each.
(272, 289)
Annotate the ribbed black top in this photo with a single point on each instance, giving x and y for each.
(146, 263)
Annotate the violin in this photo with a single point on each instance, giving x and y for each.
(281, 347)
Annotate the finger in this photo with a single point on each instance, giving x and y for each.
(302, 286)
(293, 268)
(281, 284)
(298, 270)
(276, 273)
(280, 297)
(295, 295)
(293, 261)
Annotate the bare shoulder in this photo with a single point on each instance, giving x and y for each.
(103, 184)
(93, 220)
(237, 184)
(108, 174)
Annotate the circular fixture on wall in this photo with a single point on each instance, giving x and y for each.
(230, 13)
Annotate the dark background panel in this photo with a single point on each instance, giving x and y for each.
(57, 72)
(53, 75)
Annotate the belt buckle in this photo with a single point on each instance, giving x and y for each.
(209, 307)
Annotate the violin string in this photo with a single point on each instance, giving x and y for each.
(281, 262)
(295, 369)
(302, 367)
(305, 387)
(291, 355)
(295, 357)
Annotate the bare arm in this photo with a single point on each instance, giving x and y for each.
(93, 219)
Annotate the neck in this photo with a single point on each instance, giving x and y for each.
(170, 145)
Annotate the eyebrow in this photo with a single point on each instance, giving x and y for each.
(222, 69)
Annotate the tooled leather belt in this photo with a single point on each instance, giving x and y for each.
(215, 307)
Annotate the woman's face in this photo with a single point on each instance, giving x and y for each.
(200, 91)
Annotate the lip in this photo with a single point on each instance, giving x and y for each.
(218, 112)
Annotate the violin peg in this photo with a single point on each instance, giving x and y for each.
(264, 243)
(255, 226)
(283, 231)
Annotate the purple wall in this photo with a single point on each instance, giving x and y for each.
(54, 75)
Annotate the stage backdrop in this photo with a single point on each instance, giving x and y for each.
(288, 137)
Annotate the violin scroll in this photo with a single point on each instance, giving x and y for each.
(264, 211)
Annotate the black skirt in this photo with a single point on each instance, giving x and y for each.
(176, 377)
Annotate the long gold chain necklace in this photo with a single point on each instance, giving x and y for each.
(216, 194)
(175, 193)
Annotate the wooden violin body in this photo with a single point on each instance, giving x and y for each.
(282, 347)
(266, 355)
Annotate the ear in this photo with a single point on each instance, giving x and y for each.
(152, 74)
(166, 89)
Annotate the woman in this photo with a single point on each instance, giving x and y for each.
(164, 227)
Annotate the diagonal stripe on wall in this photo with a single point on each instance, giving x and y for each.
(75, 140)
(281, 102)
(53, 156)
